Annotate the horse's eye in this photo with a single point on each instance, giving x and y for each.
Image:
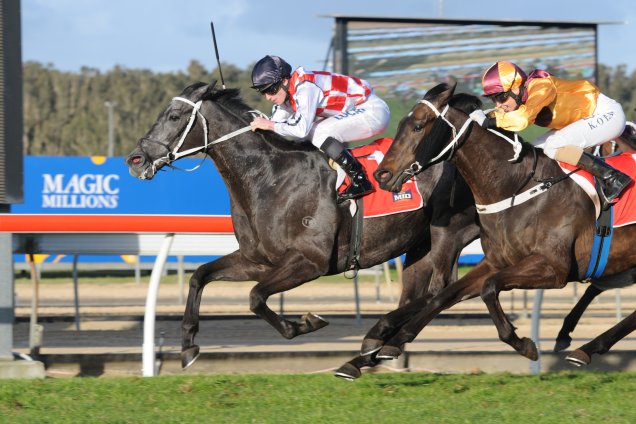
(174, 117)
(417, 127)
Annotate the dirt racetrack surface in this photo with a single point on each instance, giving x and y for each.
(111, 320)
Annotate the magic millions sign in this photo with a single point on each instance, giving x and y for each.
(99, 185)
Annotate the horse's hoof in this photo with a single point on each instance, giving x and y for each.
(578, 358)
(348, 372)
(389, 352)
(312, 322)
(562, 344)
(188, 356)
(370, 346)
(529, 349)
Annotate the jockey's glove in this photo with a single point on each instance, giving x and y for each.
(483, 119)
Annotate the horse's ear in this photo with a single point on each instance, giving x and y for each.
(441, 93)
(448, 92)
(210, 90)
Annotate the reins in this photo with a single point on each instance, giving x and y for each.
(175, 154)
(517, 198)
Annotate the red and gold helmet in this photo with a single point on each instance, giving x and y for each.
(502, 77)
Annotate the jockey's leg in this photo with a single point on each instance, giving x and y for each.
(360, 184)
(365, 121)
(613, 181)
(567, 144)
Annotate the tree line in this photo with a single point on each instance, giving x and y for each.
(65, 113)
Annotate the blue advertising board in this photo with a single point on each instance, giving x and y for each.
(99, 185)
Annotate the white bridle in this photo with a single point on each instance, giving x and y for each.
(176, 154)
(516, 146)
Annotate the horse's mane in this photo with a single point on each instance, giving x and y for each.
(465, 102)
(468, 103)
(228, 97)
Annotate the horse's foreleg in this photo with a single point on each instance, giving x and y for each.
(352, 369)
(423, 312)
(604, 342)
(572, 319)
(230, 268)
(390, 324)
(425, 275)
(534, 272)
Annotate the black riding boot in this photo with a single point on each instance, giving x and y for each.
(613, 181)
(360, 184)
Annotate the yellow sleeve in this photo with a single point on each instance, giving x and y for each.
(541, 93)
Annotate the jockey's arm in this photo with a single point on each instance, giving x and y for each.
(280, 113)
(299, 124)
(541, 93)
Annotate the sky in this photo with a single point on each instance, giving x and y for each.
(165, 35)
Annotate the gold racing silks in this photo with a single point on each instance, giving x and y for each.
(551, 102)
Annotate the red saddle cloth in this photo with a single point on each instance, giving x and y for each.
(625, 206)
(381, 202)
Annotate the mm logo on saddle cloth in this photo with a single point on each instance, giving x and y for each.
(380, 202)
(620, 214)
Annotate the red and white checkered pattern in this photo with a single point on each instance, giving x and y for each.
(341, 92)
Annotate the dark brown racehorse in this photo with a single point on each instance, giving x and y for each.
(289, 227)
(542, 243)
(625, 143)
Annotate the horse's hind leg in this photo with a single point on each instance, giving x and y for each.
(604, 342)
(563, 339)
(534, 272)
(296, 271)
(230, 268)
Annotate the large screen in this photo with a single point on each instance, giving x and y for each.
(404, 58)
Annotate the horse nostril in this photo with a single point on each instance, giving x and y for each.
(135, 160)
(382, 175)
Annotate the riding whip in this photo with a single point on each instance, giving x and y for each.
(216, 51)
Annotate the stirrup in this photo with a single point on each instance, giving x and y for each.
(354, 191)
(615, 187)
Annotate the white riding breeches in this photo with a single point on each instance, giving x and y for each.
(366, 120)
(606, 123)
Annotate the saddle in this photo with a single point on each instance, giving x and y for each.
(380, 202)
(625, 206)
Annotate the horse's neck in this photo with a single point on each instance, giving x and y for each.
(238, 158)
(483, 161)
(254, 164)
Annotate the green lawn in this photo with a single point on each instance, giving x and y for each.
(582, 397)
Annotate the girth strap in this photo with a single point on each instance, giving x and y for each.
(355, 242)
(601, 245)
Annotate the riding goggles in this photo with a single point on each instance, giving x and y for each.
(270, 89)
(500, 97)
